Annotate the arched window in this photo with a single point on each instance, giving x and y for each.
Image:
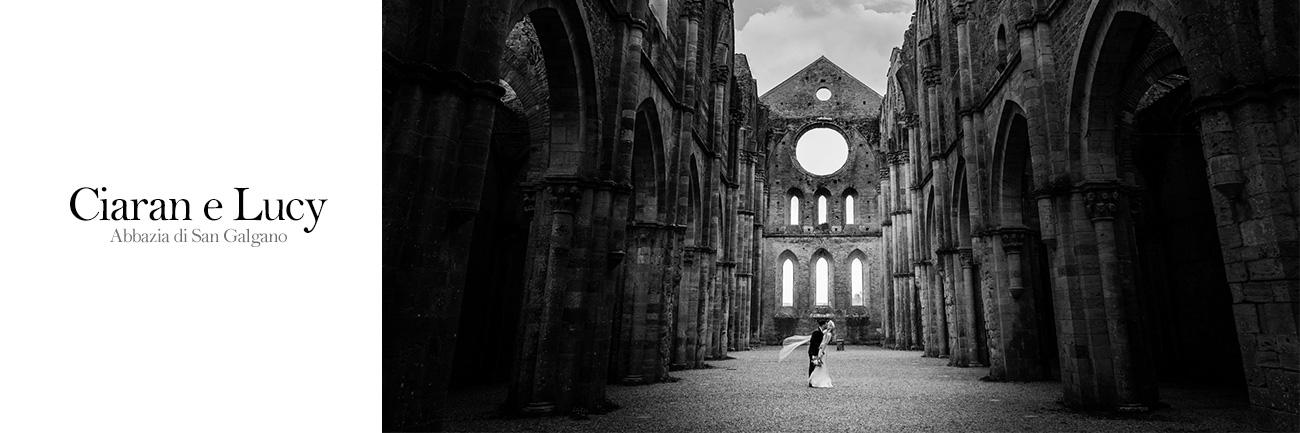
(794, 210)
(855, 281)
(823, 282)
(660, 10)
(848, 209)
(787, 283)
(821, 209)
(1000, 44)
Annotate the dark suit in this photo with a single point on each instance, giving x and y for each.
(814, 348)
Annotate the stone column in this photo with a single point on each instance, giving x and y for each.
(888, 312)
(953, 305)
(542, 379)
(643, 300)
(1102, 202)
(971, 344)
(687, 309)
(1253, 163)
(707, 263)
(929, 320)
(1017, 332)
(433, 171)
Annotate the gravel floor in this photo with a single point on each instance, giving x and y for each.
(875, 390)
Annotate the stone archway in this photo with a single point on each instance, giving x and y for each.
(643, 311)
(1027, 330)
(1135, 106)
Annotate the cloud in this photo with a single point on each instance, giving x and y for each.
(782, 37)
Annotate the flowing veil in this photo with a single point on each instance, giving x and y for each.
(791, 344)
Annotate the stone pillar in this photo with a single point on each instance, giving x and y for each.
(726, 277)
(707, 265)
(672, 282)
(1102, 203)
(887, 312)
(687, 309)
(944, 304)
(637, 359)
(1017, 333)
(690, 290)
(541, 379)
(433, 170)
(970, 345)
(929, 318)
(1248, 137)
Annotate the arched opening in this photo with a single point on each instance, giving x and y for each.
(794, 210)
(822, 283)
(856, 275)
(495, 273)
(659, 8)
(849, 217)
(792, 213)
(496, 268)
(645, 168)
(787, 282)
(638, 309)
(552, 102)
(821, 209)
(1140, 121)
(972, 293)
(1000, 44)
(850, 206)
(1031, 349)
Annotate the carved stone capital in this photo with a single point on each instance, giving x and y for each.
(564, 197)
(960, 10)
(930, 75)
(910, 120)
(1055, 187)
(967, 258)
(529, 201)
(898, 157)
(721, 73)
(692, 8)
(1013, 239)
(1101, 202)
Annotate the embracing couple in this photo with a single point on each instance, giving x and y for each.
(818, 377)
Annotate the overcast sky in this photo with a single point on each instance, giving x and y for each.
(779, 37)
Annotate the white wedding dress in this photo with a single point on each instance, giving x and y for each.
(820, 377)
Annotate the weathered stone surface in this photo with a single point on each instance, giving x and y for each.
(599, 186)
(796, 97)
(1016, 101)
(876, 390)
(851, 111)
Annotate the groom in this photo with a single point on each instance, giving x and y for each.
(815, 346)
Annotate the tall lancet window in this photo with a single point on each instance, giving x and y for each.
(660, 10)
(787, 283)
(823, 282)
(821, 209)
(794, 210)
(848, 209)
(855, 281)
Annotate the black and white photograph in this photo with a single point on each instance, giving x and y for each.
(650, 216)
(1010, 215)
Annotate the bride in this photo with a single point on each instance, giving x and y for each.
(818, 376)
